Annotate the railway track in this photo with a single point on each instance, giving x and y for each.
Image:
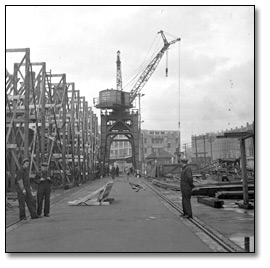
(209, 234)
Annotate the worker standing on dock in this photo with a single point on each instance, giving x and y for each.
(23, 189)
(117, 171)
(113, 172)
(43, 190)
(127, 171)
(186, 189)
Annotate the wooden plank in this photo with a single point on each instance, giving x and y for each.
(106, 191)
(20, 110)
(11, 146)
(16, 97)
(89, 200)
(233, 195)
(210, 201)
(211, 190)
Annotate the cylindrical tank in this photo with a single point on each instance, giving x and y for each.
(113, 99)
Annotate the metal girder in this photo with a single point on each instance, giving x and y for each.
(47, 118)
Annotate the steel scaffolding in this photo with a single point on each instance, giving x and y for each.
(47, 121)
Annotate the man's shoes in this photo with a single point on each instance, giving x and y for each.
(36, 217)
(186, 216)
(46, 215)
(23, 218)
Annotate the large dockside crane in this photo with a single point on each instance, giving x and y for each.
(117, 115)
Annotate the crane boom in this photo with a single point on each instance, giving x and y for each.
(151, 67)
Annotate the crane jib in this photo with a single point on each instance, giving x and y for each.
(144, 77)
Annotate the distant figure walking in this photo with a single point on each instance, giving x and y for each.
(113, 172)
(117, 171)
(127, 171)
(186, 189)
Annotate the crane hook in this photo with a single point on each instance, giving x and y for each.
(166, 70)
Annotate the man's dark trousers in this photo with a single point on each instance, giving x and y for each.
(30, 202)
(186, 203)
(43, 191)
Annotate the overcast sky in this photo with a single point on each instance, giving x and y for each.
(216, 58)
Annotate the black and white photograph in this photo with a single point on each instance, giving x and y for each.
(130, 129)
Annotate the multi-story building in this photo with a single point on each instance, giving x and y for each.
(154, 141)
(120, 149)
(121, 153)
(208, 147)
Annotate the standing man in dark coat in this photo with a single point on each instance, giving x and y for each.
(186, 189)
(117, 171)
(113, 172)
(23, 188)
(43, 190)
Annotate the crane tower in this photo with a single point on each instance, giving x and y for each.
(118, 116)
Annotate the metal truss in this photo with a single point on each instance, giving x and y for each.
(47, 121)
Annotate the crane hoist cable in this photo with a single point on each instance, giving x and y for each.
(147, 73)
(179, 115)
(131, 78)
(139, 71)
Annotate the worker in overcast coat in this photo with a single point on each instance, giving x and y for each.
(44, 181)
(113, 171)
(23, 188)
(186, 189)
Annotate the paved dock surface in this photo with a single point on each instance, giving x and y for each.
(134, 222)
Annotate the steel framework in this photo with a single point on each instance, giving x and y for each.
(47, 120)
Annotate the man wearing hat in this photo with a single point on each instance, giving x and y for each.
(23, 188)
(186, 189)
(43, 180)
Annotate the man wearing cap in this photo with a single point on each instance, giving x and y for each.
(23, 188)
(186, 189)
(43, 180)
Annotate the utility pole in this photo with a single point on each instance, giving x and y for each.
(244, 173)
(204, 152)
(211, 148)
(196, 149)
(140, 132)
(185, 148)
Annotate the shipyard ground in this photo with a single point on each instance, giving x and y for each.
(134, 222)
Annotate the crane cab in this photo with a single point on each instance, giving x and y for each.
(113, 99)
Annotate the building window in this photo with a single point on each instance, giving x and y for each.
(162, 132)
(169, 145)
(156, 133)
(151, 133)
(157, 140)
